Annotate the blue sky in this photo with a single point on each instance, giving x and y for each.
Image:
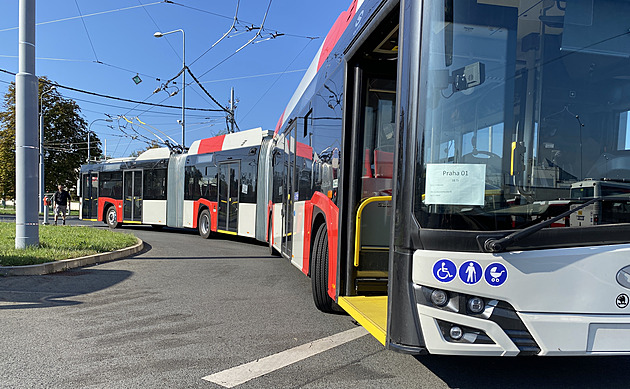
(120, 36)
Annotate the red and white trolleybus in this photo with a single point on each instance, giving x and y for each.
(214, 187)
(455, 173)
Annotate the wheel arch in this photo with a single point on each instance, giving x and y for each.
(319, 218)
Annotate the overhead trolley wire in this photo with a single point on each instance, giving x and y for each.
(229, 17)
(86, 30)
(159, 29)
(118, 98)
(88, 15)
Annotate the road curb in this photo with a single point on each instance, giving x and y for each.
(66, 264)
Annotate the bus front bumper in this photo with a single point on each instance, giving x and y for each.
(552, 334)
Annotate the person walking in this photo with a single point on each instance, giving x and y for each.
(60, 200)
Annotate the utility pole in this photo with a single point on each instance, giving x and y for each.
(231, 115)
(26, 134)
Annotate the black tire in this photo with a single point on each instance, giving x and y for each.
(157, 227)
(272, 251)
(319, 271)
(111, 217)
(204, 224)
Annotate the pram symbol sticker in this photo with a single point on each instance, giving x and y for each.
(444, 270)
(496, 274)
(470, 272)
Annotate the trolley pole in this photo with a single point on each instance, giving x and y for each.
(26, 134)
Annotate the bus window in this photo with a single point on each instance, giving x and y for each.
(155, 184)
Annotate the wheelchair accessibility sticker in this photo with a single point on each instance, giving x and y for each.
(444, 270)
(496, 274)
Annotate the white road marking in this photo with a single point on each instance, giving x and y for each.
(240, 374)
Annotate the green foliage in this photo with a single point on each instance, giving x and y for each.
(60, 242)
(65, 140)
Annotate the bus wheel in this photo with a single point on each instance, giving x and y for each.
(112, 217)
(204, 224)
(157, 227)
(272, 251)
(319, 271)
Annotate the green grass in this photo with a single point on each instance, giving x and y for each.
(51, 214)
(60, 242)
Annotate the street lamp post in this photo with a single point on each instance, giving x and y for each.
(183, 88)
(90, 131)
(42, 188)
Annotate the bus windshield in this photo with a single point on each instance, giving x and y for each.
(522, 101)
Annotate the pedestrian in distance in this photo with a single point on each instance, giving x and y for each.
(60, 200)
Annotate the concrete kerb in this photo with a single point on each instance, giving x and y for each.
(67, 264)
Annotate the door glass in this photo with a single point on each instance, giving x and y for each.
(137, 196)
(289, 197)
(85, 189)
(223, 196)
(233, 197)
(93, 195)
(127, 195)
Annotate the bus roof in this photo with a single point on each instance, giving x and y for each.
(237, 140)
(155, 153)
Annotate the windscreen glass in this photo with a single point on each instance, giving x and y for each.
(524, 112)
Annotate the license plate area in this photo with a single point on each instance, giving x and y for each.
(608, 338)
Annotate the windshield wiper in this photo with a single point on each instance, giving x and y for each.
(493, 245)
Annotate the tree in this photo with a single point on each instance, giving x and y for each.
(65, 140)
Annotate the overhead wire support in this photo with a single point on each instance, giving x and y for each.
(232, 27)
(260, 29)
(206, 92)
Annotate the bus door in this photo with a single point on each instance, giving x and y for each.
(373, 216)
(368, 201)
(290, 193)
(132, 196)
(229, 184)
(89, 191)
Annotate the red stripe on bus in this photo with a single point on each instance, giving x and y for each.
(102, 201)
(336, 32)
(279, 123)
(211, 145)
(331, 212)
(308, 226)
(212, 206)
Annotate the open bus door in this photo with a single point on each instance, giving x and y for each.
(367, 198)
(132, 196)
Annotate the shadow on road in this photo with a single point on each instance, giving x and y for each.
(56, 289)
(529, 372)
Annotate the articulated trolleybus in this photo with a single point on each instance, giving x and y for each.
(213, 187)
(455, 175)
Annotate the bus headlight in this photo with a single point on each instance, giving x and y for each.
(439, 297)
(476, 305)
(456, 333)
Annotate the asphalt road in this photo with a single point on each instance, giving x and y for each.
(187, 308)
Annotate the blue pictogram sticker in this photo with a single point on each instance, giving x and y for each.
(470, 272)
(444, 270)
(496, 274)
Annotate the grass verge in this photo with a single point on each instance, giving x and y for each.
(60, 242)
(11, 211)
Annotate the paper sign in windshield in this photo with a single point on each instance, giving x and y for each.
(455, 184)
